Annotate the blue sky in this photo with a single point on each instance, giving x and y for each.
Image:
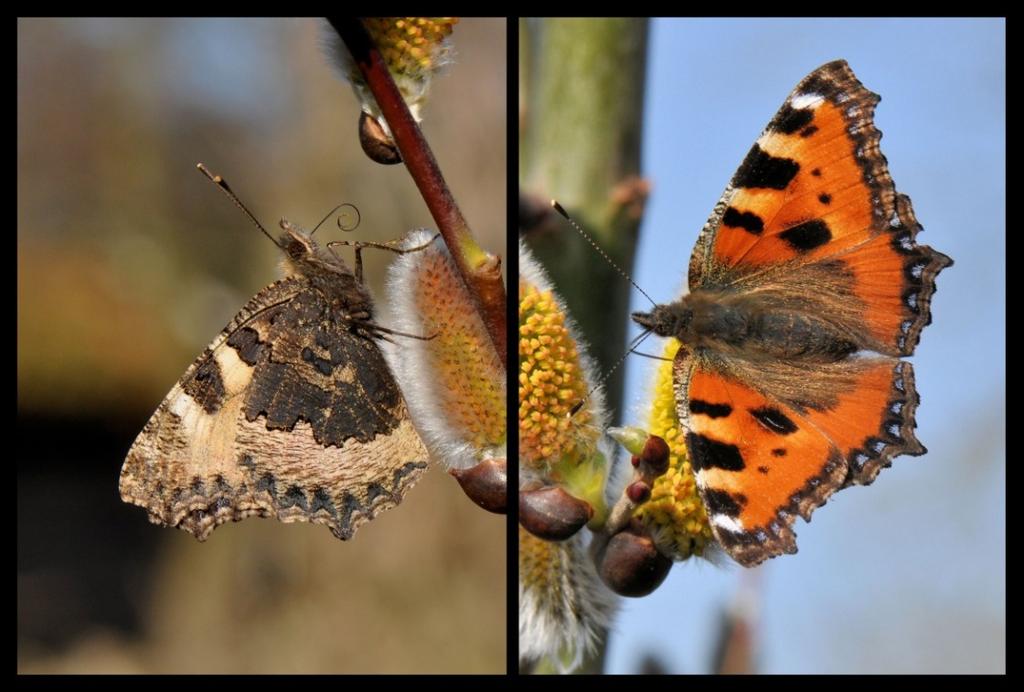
(907, 575)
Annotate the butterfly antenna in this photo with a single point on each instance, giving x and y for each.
(632, 345)
(331, 213)
(222, 184)
(648, 355)
(558, 207)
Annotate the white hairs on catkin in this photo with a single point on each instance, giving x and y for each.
(564, 613)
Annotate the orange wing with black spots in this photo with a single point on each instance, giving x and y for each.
(806, 286)
(759, 461)
(815, 186)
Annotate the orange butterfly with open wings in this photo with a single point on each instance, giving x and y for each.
(806, 290)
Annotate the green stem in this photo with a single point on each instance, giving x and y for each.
(580, 144)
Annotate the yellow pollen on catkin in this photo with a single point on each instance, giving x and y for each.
(539, 561)
(473, 399)
(410, 45)
(674, 511)
(550, 383)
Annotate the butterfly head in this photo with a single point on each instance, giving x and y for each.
(673, 319)
(322, 267)
(298, 245)
(304, 256)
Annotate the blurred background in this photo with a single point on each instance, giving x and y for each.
(130, 262)
(909, 575)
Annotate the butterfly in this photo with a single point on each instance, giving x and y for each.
(806, 290)
(291, 412)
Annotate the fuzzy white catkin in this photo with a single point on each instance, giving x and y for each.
(563, 604)
(564, 609)
(410, 359)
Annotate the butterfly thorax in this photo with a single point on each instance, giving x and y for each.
(326, 272)
(749, 326)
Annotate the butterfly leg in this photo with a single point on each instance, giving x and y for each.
(373, 327)
(358, 245)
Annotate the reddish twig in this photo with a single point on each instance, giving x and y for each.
(480, 270)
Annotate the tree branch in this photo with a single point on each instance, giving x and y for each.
(480, 270)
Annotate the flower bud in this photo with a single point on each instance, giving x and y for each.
(552, 514)
(630, 564)
(485, 484)
(375, 142)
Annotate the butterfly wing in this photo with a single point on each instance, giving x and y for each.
(815, 187)
(289, 413)
(760, 459)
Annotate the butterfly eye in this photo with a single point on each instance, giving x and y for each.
(296, 249)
